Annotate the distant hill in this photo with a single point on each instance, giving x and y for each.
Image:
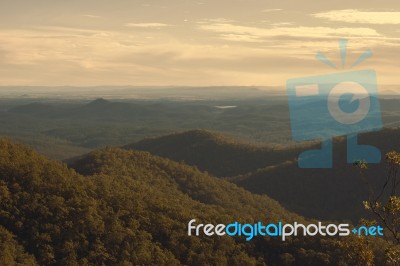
(132, 208)
(104, 109)
(96, 109)
(335, 194)
(214, 152)
(99, 102)
(101, 122)
(140, 92)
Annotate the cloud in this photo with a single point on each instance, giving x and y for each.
(234, 32)
(241, 37)
(282, 24)
(51, 31)
(357, 16)
(147, 25)
(213, 51)
(91, 16)
(271, 10)
(215, 20)
(82, 57)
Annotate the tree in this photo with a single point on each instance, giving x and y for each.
(384, 203)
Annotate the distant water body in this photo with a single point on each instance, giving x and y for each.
(226, 106)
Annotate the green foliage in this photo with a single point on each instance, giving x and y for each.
(392, 255)
(384, 202)
(393, 158)
(11, 253)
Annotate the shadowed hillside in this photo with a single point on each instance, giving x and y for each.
(317, 193)
(335, 193)
(214, 152)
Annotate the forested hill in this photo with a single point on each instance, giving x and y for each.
(328, 194)
(335, 193)
(132, 208)
(215, 153)
(174, 179)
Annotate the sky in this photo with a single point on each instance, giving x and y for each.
(192, 43)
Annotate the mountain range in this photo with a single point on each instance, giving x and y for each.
(119, 207)
(330, 194)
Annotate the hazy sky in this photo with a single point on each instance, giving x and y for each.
(177, 42)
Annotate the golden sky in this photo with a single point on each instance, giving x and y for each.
(177, 42)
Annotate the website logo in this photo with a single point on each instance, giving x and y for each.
(339, 104)
(280, 229)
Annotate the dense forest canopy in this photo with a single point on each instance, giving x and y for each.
(123, 207)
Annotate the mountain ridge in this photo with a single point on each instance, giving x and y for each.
(214, 152)
(314, 193)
